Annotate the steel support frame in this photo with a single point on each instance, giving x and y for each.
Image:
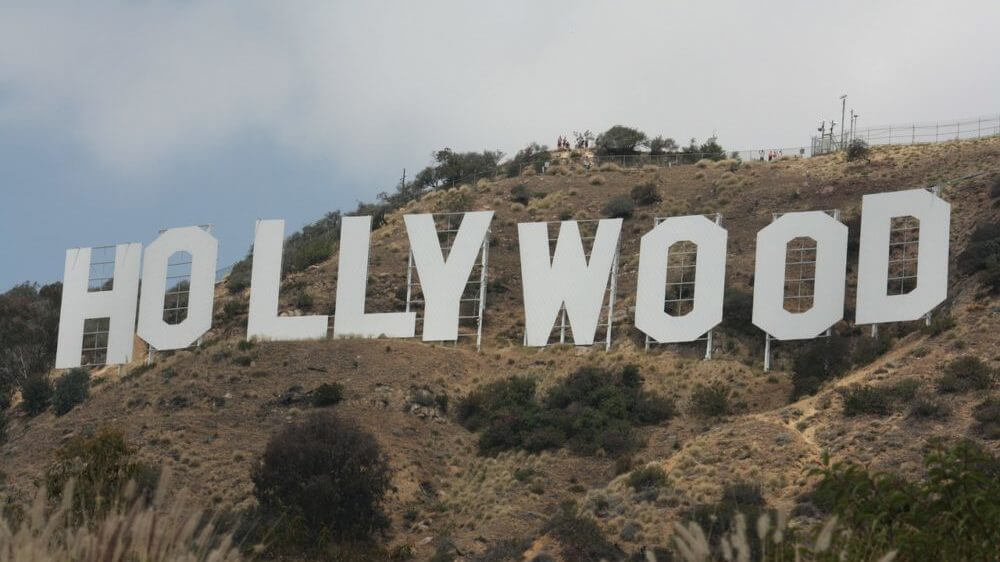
(708, 339)
(450, 231)
(835, 213)
(936, 190)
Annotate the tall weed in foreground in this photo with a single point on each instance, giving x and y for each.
(777, 543)
(168, 529)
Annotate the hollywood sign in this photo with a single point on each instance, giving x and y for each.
(551, 281)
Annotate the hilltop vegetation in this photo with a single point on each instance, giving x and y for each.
(561, 453)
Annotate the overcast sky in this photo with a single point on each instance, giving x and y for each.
(119, 120)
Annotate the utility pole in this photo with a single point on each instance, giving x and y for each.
(843, 107)
(850, 135)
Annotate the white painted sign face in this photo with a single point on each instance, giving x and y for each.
(204, 249)
(827, 309)
(442, 281)
(117, 304)
(565, 278)
(265, 280)
(710, 279)
(352, 284)
(874, 304)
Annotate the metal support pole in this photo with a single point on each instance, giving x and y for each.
(484, 263)
(409, 279)
(874, 330)
(611, 297)
(843, 108)
(149, 354)
(562, 324)
(767, 352)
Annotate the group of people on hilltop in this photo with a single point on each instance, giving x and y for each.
(562, 143)
(772, 155)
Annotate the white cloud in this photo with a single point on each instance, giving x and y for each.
(377, 85)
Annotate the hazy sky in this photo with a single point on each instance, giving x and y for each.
(117, 120)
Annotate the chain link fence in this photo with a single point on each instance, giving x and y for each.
(913, 133)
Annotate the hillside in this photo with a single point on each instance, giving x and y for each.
(207, 413)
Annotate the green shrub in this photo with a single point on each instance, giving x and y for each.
(29, 324)
(71, 389)
(904, 390)
(988, 415)
(964, 374)
(322, 480)
(591, 409)
(243, 360)
(520, 194)
(866, 349)
(327, 394)
(647, 477)
(659, 145)
(36, 393)
(982, 253)
(239, 276)
(928, 407)
(533, 156)
(505, 550)
(234, 308)
(645, 194)
(867, 400)
(309, 253)
(618, 208)
(6, 397)
(719, 519)
(711, 401)
(579, 537)
(302, 300)
(101, 467)
(857, 149)
(822, 360)
(739, 313)
(941, 322)
(951, 513)
(619, 140)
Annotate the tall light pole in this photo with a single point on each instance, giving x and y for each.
(843, 110)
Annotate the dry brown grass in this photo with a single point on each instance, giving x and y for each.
(168, 530)
(595, 180)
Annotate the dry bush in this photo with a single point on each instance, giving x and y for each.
(596, 180)
(557, 171)
(167, 530)
(703, 163)
(650, 168)
(729, 179)
(609, 167)
(699, 176)
(776, 540)
(528, 172)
